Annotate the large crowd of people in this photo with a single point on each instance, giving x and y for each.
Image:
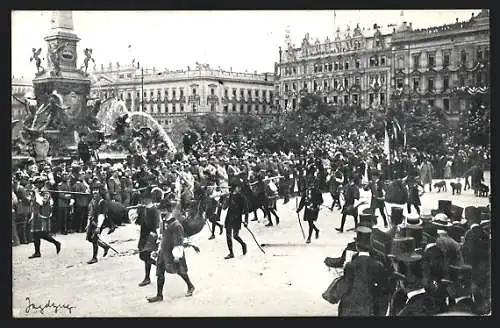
(218, 164)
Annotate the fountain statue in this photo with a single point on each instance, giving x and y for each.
(61, 108)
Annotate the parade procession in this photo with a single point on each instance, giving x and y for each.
(321, 205)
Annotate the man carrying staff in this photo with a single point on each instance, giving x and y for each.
(41, 205)
(237, 206)
(171, 257)
(95, 220)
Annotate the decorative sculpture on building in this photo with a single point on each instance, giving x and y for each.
(36, 58)
(55, 50)
(88, 57)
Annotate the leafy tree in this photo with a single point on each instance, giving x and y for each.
(474, 126)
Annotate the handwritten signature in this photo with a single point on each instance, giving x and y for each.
(49, 305)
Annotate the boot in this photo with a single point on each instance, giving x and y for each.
(339, 230)
(229, 256)
(244, 247)
(308, 241)
(190, 291)
(211, 237)
(145, 282)
(35, 255)
(58, 247)
(157, 298)
(269, 224)
(92, 261)
(221, 227)
(105, 252)
(317, 234)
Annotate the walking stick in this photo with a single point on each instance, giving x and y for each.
(301, 229)
(107, 245)
(251, 233)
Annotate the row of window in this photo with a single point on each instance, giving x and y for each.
(174, 108)
(374, 61)
(249, 93)
(482, 53)
(242, 108)
(326, 84)
(480, 79)
(373, 98)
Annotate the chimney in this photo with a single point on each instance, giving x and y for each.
(102, 67)
(117, 64)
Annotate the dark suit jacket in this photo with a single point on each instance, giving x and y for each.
(423, 305)
(366, 277)
(476, 253)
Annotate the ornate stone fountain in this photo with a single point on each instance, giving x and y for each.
(61, 90)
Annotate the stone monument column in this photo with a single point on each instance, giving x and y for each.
(64, 79)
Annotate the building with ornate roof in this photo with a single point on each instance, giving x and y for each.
(354, 68)
(439, 66)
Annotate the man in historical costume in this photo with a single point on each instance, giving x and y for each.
(171, 257)
(64, 202)
(334, 182)
(149, 220)
(365, 278)
(41, 211)
(311, 200)
(237, 206)
(376, 187)
(351, 198)
(413, 193)
(214, 202)
(23, 206)
(80, 214)
(271, 193)
(94, 225)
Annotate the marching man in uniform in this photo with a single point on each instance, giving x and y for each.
(40, 218)
(95, 220)
(171, 257)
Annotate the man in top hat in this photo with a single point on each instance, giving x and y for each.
(414, 228)
(41, 205)
(450, 249)
(476, 250)
(95, 221)
(312, 199)
(460, 290)
(376, 187)
(171, 257)
(237, 206)
(366, 279)
(84, 152)
(149, 220)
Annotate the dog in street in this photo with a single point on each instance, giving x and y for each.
(440, 186)
(456, 187)
(483, 190)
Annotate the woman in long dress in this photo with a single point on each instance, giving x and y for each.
(447, 169)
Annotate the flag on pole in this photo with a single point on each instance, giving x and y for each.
(404, 135)
(386, 142)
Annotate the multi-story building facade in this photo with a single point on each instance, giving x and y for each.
(354, 68)
(372, 68)
(432, 64)
(171, 95)
(20, 87)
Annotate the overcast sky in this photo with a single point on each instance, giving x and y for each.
(243, 40)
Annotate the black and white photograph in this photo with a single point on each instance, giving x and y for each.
(250, 163)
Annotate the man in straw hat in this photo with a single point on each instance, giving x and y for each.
(366, 278)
